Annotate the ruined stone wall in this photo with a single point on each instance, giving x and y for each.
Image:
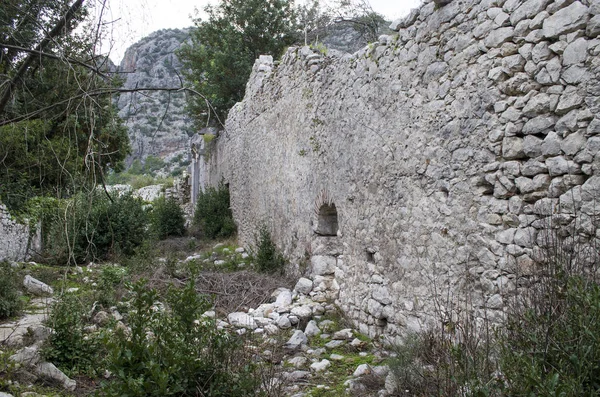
(16, 244)
(446, 149)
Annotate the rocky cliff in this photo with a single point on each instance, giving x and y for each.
(157, 121)
(438, 160)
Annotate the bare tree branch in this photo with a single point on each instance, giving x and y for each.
(56, 31)
(104, 91)
(57, 57)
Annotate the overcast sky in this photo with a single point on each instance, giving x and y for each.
(134, 19)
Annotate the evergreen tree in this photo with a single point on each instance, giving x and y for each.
(224, 47)
(58, 127)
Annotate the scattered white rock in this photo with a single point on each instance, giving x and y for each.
(284, 322)
(36, 287)
(320, 366)
(362, 369)
(334, 344)
(241, 319)
(50, 372)
(28, 356)
(344, 334)
(312, 329)
(296, 341)
(298, 361)
(304, 286)
(283, 297)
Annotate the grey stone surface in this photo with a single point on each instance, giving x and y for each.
(241, 320)
(49, 372)
(441, 150)
(304, 286)
(36, 287)
(16, 242)
(566, 20)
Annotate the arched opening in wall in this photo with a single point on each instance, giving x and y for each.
(327, 220)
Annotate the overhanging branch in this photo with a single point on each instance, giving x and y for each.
(56, 31)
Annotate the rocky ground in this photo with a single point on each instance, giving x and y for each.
(313, 349)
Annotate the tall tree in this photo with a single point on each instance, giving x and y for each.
(58, 127)
(224, 47)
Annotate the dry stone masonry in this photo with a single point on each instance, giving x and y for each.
(438, 158)
(16, 241)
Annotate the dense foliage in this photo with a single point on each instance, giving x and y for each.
(175, 351)
(57, 132)
(69, 346)
(213, 215)
(91, 227)
(225, 46)
(10, 296)
(167, 218)
(267, 257)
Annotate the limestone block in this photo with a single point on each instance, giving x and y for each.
(533, 167)
(532, 146)
(540, 103)
(512, 148)
(566, 20)
(572, 144)
(323, 265)
(241, 320)
(551, 144)
(49, 372)
(498, 36)
(575, 52)
(575, 75)
(36, 287)
(506, 236)
(296, 340)
(304, 286)
(590, 191)
(538, 124)
(559, 166)
(527, 10)
(382, 295)
(593, 27)
(569, 100)
(525, 237)
(541, 52)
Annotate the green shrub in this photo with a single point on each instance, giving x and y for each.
(111, 277)
(555, 351)
(174, 351)
(213, 213)
(167, 218)
(267, 258)
(10, 294)
(86, 228)
(69, 347)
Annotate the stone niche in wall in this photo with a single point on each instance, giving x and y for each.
(327, 220)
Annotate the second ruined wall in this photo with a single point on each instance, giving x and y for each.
(446, 149)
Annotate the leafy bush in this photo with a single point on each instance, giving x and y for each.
(69, 347)
(86, 228)
(213, 213)
(556, 352)
(267, 258)
(10, 295)
(167, 218)
(174, 351)
(111, 277)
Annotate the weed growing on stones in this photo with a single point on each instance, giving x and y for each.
(267, 257)
(172, 350)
